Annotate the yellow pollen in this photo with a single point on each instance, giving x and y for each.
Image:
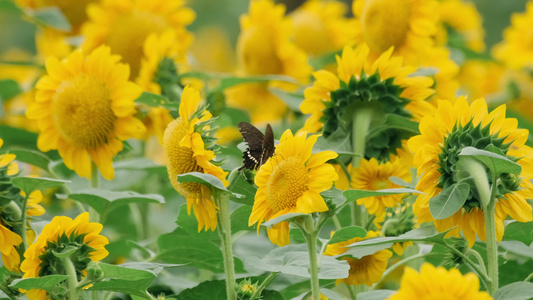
(287, 183)
(258, 52)
(82, 111)
(128, 33)
(180, 160)
(385, 23)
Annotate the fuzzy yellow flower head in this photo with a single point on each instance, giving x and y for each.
(366, 270)
(516, 49)
(291, 182)
(452, 127)
(320, 26)
(124, 26)
(408, 25)
(438, 283)
(187, 152)
(63, 232)
(85, 107)
(383, 86)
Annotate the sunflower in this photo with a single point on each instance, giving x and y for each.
(481, 78)
(462, 18)
(385, 85)
(438, 283)
(266, 37)
(85, 107)
(373, 176)
(445, 133)
(8, 243)
(366, 270)
(7, 160)
(408, 26)
(291, 182)
(212, 50)
(516, 49)
(63, 232)
(321, 26)
(34, 208)
(186, 151)
(125, 25)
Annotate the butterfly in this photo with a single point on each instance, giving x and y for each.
(260, 146)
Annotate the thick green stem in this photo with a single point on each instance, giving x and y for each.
(487, 193)
(478, 258)
(224, 231)
(23, 226)
(263, 285)
(311, 237)
(93, 214)
(72, 278)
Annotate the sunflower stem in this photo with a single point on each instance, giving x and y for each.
(23, 227)
(486, 194)
(529, 277)
(484, 277)
(72, 278)
(263, 285)
(93, 214)
(311, 237)
(224, 231)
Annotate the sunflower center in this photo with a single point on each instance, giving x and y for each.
(180, 159)
(82, 111)
(385, 23)
(128, 33)
(286, 184)
(360, 265)
(380, 184)
(258, 52)
(479, 137)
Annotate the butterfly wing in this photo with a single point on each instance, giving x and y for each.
(268, 145)
(254, 138)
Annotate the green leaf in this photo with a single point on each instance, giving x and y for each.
(296, 289)
(189, 223)
(282, 218)
(347, 233)
(449, 201)
(65, 252)
(326, 59)
(9, 88)
(214, 184)
(212, 290)
(496, 163)
(155, 100)
(425, 233)
(154, 268)
(353, 195)
(33, 158)
(179, 247)
(52, 17)
(242, 187)
(376, 295)
(339, 141)
(292, 100)
(10, 7)
(515, 291)
(18, 137)
(518, 231)
(30, 184)
(47, 283)
(294, 260)
(104, 201)
(239, 219)
(395, 122)
(124, 280)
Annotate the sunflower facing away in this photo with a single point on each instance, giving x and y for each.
(366, 270)
(438, 283)
(186, 151)
(85, 107)
(291, 182)
(444, 134)
(63, 232)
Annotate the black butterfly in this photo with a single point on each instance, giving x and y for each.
(260, 146)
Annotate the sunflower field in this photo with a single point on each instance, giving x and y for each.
(266, 149)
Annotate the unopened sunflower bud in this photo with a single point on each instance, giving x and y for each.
(246, 289)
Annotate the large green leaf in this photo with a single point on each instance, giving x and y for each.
(30, 184)
(515, 291)
(155, 100)
(339, 142)
(214, 184)
(18, 137)
(282, 218)
(294, 260)
(426, 233)
(292, 100)
(347, 233)
(52, 16)
(189, 223)
(239, 219)
(125, 280)
(32, 157)
(104, 201)
(353, 195)
(241, 186)
(9, 88)
(496, 163)
(376, 295)
(47, 283)
(449, 201)
(518, 231)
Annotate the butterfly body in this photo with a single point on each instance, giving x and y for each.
(260, 146)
